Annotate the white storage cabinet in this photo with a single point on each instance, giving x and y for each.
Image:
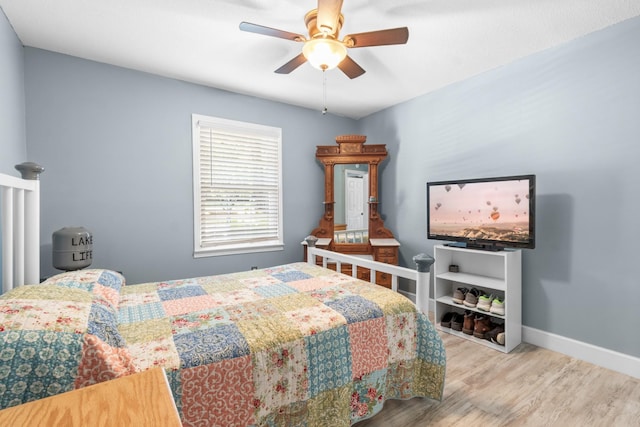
(498, 273)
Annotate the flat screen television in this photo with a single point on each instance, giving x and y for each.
(483, 213)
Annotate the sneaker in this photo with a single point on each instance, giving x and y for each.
(471, 298)
(484, 302)
(497, 307)
(459, 295)
(468, 325)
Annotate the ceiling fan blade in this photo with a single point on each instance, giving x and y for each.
(267, 31)
(351, 68)
(292, 65)
(328, 15)
(378, 38)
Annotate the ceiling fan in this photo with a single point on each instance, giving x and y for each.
(322, 48)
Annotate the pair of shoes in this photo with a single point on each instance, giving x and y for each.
(484, 302)
(471, 298)
(476, 324)
(445, 322)
(497, 306)
(459, 295)
(457, 322)
(452, 320)
(491, 304)
(496, 335)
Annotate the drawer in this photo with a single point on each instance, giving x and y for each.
(390, 252)
(388, 260)
(383, 279)
(363, 273)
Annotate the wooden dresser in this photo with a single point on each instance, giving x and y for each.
(385, 250)
(140, 400)
(351, 205)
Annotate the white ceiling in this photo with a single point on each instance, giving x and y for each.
(199, 41)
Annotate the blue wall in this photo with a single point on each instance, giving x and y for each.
(117, 147)
(116, 144)
(13, 144)
(12, 125)
(570, 115)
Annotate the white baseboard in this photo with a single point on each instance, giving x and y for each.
(619, 362)
(599, 356)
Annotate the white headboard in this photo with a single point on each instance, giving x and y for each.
(20, 214)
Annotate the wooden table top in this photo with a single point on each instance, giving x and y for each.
(139, 400)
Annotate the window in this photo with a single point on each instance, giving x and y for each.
(237, 183)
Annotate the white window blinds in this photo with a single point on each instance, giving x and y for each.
(237, 183)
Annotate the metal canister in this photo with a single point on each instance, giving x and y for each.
(72, 248)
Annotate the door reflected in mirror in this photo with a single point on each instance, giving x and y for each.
(351, 194)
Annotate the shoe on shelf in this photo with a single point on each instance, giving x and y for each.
(471, 298)
(497, 335)
(468, 323)
(457, 321)
(481, 325)
(459, 295)
(445, 322)
(497, 306)
(484, 302)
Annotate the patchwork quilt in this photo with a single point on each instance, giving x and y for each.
(295, 345)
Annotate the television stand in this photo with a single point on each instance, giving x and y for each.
(493, 273)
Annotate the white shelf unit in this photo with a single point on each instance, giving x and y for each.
(498, 273)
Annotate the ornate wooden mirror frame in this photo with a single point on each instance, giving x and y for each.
(351, 150)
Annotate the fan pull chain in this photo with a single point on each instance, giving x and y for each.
(324, 92)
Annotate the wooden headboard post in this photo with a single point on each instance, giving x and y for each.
(21, 226)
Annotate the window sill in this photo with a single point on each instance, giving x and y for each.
(238, 250)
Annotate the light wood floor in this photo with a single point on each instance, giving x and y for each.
(530, 386)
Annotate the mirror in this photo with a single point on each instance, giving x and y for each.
(351, 192)
(351, 196)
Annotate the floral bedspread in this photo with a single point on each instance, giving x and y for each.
(294, 345)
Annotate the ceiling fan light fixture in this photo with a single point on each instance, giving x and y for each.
(324, 53)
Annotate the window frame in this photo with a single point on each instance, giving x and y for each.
(243, 247)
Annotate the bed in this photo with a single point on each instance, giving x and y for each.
(296, 344)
